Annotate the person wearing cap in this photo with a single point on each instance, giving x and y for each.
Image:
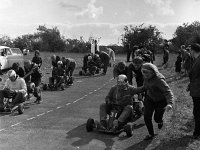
(121, 95)
(37, 59)
(194, 88)
(120, 68)
(158, 99)
(19, 70)
(14, 86)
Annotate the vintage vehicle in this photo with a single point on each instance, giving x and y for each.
(8, 56)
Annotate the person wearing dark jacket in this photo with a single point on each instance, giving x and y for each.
(159, 97)
(178, 65)
(105, 60)
(19, 70)
(134, 69)
(85, 61)
(122, 96)
(37, 59)
(69, 65)
(120, 68)
(36, 76)
(194, 88)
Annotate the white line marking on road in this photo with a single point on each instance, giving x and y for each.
(30, 118)
(49, 111)
(2, 130)
(90, 92)
(15, 124)
(40, 114)
(58, 107)
(67, 104)
(95, 90)
(78, 99)
(85, 95)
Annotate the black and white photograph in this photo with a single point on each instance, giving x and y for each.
(99, 74)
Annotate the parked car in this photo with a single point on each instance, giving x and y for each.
(8, 56)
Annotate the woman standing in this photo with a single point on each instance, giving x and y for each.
(159, 97)
(194, 88)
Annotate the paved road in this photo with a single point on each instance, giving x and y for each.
(59, 122)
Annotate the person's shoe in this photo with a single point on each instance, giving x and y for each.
(160, 125)
(149, 137)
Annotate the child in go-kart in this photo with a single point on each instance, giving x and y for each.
(120, 96)
(15, 88)
(59, 75)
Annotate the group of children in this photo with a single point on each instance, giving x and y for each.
(62, 72)
(93, 63)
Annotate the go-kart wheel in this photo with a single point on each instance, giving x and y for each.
(90, 125)
(80, 73)
(20, 108)
(129, 130)
(45, 87)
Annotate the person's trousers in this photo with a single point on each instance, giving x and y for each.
(196, 113)
(71, 69)
(124, 116)
(37, 91)
(105, 65)
(19, 97)
(150, 107)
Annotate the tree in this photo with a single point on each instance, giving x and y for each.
(6, 41)
(50, 39)
(187, 34)
(137, 35)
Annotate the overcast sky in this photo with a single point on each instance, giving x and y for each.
(98, 18)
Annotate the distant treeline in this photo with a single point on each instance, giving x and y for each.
(50, 39)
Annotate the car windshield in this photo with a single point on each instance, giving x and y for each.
(16, 50)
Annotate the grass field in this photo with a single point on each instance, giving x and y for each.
(179, 122)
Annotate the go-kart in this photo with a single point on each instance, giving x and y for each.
(111, 121)
(52, 87)
(8, 105)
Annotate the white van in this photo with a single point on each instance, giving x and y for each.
(8, 56)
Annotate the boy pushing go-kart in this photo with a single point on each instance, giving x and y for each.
(119, 106)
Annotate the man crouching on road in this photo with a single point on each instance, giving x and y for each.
(120, 95)
(14, 87)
